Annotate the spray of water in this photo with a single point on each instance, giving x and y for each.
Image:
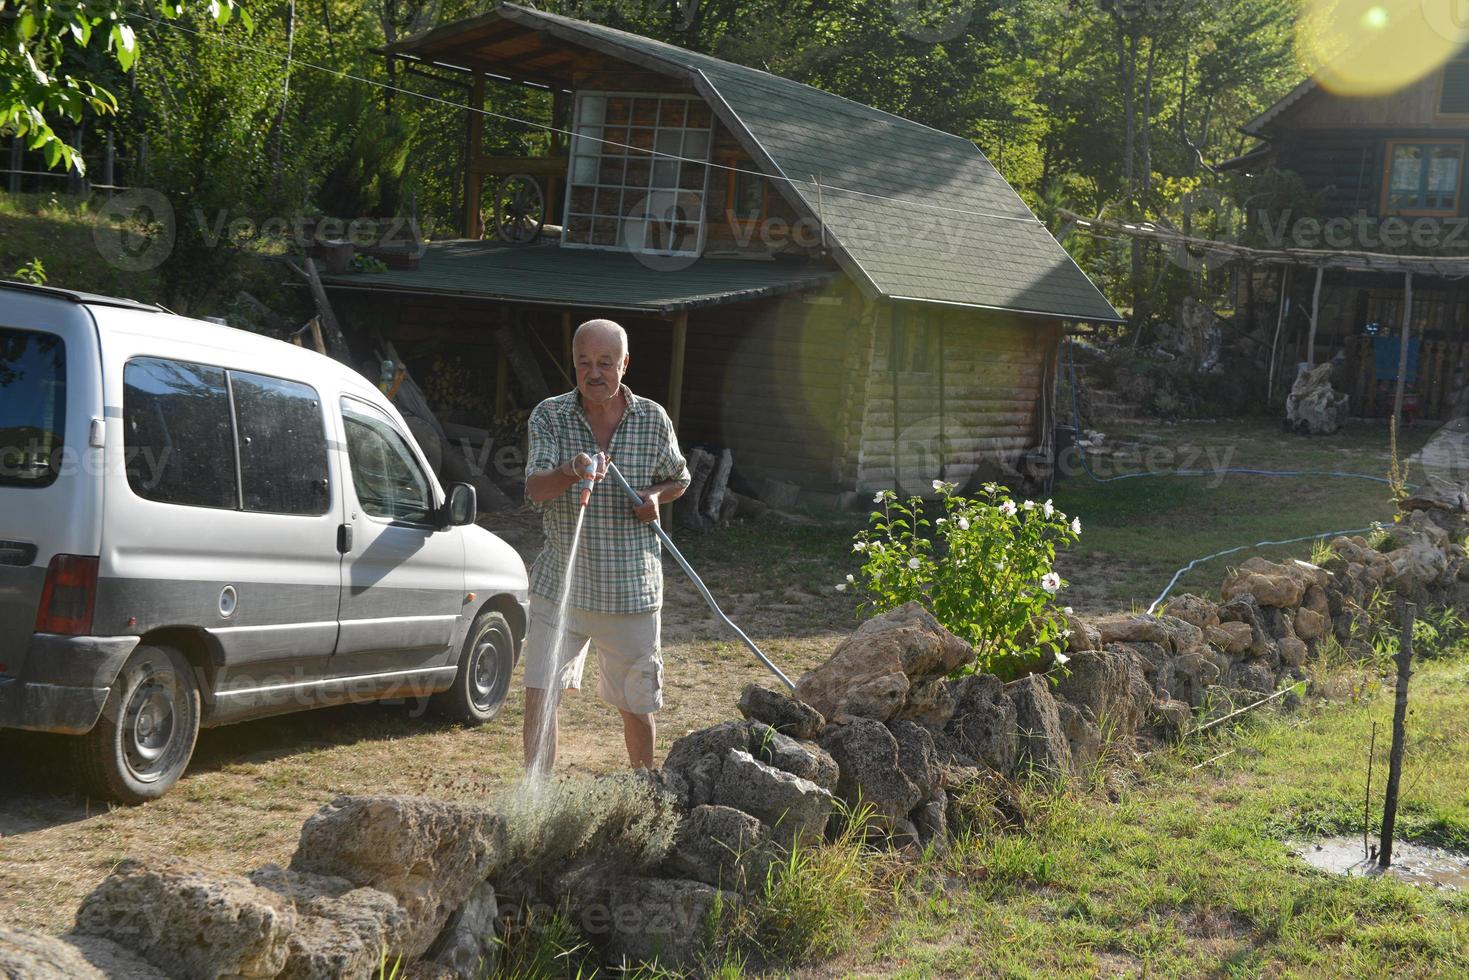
(549, 706)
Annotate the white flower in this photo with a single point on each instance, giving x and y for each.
(1048, 509)
(841, 586)
(1067, 610)
(938, 485)
(850, 579)
(1061, 659)
(963, 523)
(942, 520)
(1028, 505)
(1066, 634)
(1008, 508)
(859, 545)
(877, 497)
(913, 563)
(1051, 582)
(1076, 525)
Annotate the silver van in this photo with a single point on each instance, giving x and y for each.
(200, 525)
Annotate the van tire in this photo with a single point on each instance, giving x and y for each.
(143, 742)
(483, 679)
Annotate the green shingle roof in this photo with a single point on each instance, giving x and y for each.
(549, 274)
(915, 213)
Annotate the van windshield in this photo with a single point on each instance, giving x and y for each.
(32, 406)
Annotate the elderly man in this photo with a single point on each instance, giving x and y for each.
(617, 583)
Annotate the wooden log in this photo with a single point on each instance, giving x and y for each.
(528, 376)
(687, 511)
(718, 482)
(1404, 338)
(273, 321)
(749, 506)
(335, 341)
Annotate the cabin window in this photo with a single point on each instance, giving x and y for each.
(638, 173)
(747, 193)
(1423, 178)
(1453, 93)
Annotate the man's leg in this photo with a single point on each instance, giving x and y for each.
(538, 737)
(639, 732)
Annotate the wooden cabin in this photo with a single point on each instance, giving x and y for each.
(1386, 174)
(846, 299)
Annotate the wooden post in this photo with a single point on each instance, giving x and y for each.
(1403, 339)
(473, 225)
(1315, 312)
(1279, 322)
(675, 391)
(1399, 733)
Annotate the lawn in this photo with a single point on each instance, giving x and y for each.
(1188, 870)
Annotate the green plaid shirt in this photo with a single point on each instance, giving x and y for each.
(619, 567)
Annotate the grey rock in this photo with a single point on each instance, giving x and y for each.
(29, 955)
(983, 723)
(724, 847)
(1313, 406)
(698, 758)
(785, 714)
(931, 822)
(1193, 609)
(1183, 637)
(1083, 737)
(427, 854)
(917, 756)
(1170, 718)
(341, 930)
(931, 703)
(1130, 628)
(1245, 609)
(1043, 741)
(646, 920)
(805, 759)
(1193, 675)
(468, 944)
(1437, 493)
(1253, 675)
(867, 753)
(189, 921)
(1110, 683)
(1292, 652)
(796, 810)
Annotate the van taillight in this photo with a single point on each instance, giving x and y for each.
(69, 596)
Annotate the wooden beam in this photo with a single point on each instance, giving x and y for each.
(473, 224)
(553, 166)
(1404, 338)
(1315, 312)
(1279, 323)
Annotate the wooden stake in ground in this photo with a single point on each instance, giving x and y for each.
(1403, 339)
(1399, 717)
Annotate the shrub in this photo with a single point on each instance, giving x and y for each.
(988, 577)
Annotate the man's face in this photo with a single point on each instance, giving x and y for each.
(601, 361)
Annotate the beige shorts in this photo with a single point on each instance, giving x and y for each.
(629, 655)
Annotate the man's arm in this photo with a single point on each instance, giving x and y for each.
(674, 471)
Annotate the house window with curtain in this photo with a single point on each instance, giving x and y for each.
(1422, 177)
(638, 173)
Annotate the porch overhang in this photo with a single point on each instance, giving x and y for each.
(550, 275)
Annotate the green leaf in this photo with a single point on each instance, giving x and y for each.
(53, 152)
(124, 44)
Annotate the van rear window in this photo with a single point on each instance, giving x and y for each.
(180, 442)
(32, 406)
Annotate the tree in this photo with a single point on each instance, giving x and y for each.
(46, 76)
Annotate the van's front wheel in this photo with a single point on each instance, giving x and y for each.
(143, 742)
(483, 679)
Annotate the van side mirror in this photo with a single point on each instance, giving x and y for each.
(462, 507)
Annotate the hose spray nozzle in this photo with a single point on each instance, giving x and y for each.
(588, 475)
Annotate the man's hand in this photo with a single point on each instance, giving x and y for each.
(647, 512)
(577, 466)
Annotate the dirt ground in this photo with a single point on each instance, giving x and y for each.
(251, 786)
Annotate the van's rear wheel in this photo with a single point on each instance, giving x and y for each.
(483, 679)
(143, 742)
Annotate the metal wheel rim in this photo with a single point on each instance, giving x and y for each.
(485, 679)
(150, 726)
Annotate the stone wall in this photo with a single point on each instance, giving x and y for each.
(648, 864)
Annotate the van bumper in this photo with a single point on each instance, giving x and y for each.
(61, 682)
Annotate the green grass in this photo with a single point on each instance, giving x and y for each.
(1189, 873)
(1143, 530)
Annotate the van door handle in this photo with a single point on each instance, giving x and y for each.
(344, 539)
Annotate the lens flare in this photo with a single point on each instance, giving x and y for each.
(1374, 48)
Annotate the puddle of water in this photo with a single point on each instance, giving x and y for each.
(1413, 863)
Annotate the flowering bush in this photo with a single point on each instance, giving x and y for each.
(984, 569)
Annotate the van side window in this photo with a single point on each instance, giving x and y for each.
(179, 444)
(387, 477)
(283, 459)
(32, 407)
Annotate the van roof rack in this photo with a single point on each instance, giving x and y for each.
(76, 296)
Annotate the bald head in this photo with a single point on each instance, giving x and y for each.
(599, 333)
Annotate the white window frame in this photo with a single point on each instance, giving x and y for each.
(702, 223)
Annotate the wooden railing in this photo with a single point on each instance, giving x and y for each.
(1439, 363)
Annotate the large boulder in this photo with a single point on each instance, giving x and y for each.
(28, 955)
(796, 810)
(1043, 741)
(870, 672)
(1130, 628)
(427, 854)
(645, 920)
(342, 931)
(1193, 609)
(469, 944)
(982, 725)
(867, 753)
(1271, 585)
(192, 923)
(1437, 493)
(805, 759)
(1313, 407)
(697, 759)
(722, 846)
(780, 711)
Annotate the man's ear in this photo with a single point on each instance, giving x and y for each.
(626, 360)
